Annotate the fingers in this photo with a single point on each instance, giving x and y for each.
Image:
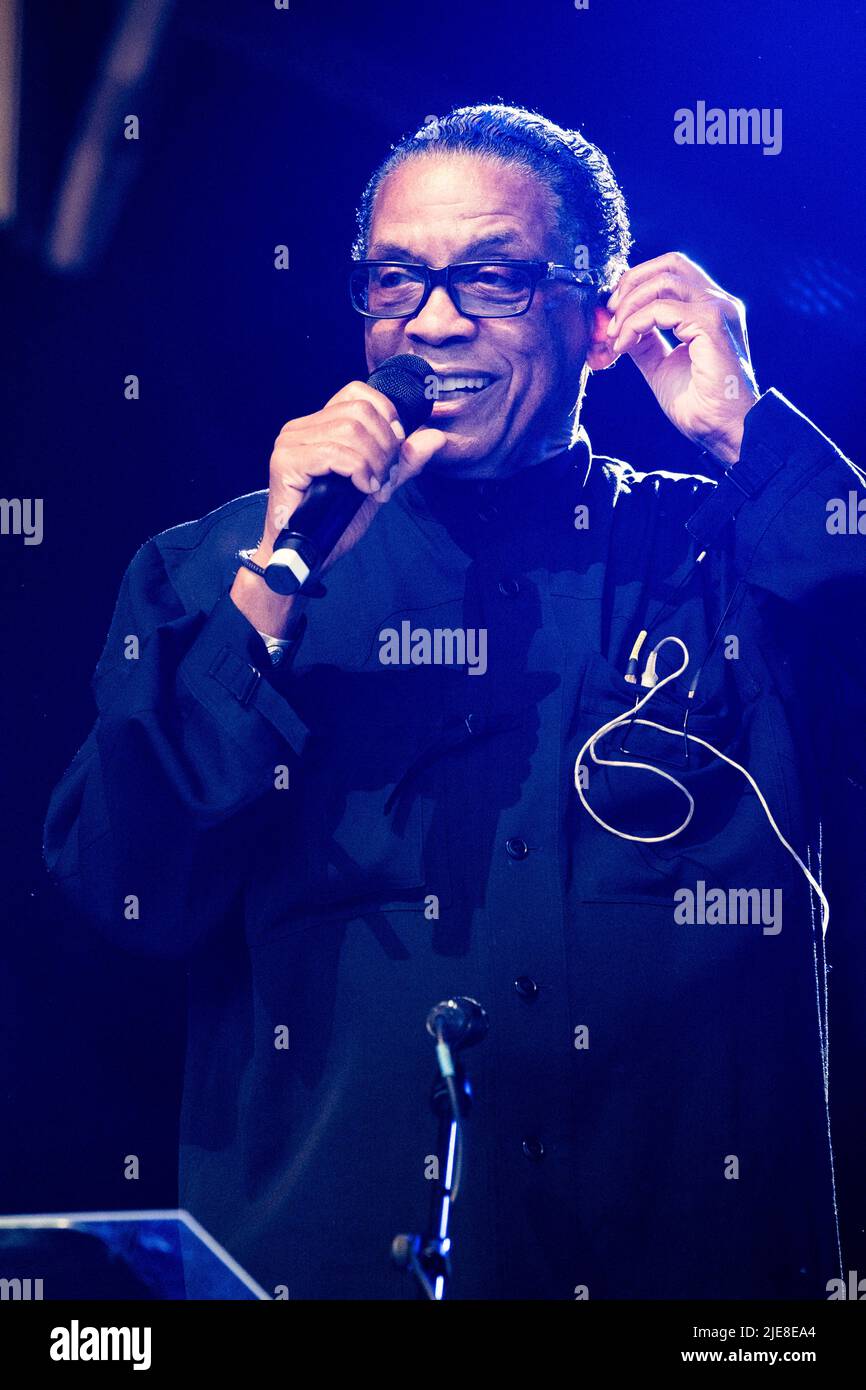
(383, 426)
(295, 466)
(672, 263)
(359, 391)
(351, 437)
(362, 398)
(685, 318)
(415, 454)
(360, 420)
(665, 285)
(358, 435)
(662, 281)
(661, 313)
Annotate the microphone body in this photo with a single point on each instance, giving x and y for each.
(331, 501)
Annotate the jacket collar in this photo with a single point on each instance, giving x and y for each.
(470, 509)
(515, 498)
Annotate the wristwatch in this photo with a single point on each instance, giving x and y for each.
(246, 559)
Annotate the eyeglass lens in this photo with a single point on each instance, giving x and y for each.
(481, 290)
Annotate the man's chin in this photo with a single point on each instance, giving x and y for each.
(463, 455)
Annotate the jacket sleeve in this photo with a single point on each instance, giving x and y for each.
(799, 533)
(150, 831)
(791, 514)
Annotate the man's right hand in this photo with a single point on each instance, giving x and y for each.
(358, 434)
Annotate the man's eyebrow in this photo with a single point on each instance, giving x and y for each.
(389, 251)
(497, 241)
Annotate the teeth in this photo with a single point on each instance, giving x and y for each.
(462, 383)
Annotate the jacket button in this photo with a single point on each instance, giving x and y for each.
(509, 588)
(488, 513)
(533, 1149)
(474, 723)
(516, 848)
(526, 987)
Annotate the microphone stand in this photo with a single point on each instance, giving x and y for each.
(428, 1256)
(455, 1024)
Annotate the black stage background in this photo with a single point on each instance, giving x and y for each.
(259, 127)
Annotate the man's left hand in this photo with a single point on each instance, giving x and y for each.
(705, 385)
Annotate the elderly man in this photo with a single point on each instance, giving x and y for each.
(336, 840)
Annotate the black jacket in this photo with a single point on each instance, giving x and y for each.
(650, 1111)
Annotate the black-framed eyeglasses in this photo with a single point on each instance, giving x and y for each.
(478, 289)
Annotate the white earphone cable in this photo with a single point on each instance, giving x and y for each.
(628, 716)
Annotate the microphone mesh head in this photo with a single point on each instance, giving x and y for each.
(403, 379)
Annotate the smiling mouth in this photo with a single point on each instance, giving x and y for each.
(452, 385)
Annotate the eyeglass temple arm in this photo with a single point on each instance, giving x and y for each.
(585, 278)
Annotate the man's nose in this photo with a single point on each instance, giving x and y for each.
(439, 320)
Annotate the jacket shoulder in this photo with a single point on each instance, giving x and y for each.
(200, 557)
(627, 486)
(647, 499)
(231, 522)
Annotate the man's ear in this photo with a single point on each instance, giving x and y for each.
(600, 352)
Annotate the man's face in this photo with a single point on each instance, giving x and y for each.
(447, 208)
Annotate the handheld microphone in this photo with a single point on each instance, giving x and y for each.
(331, 501)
